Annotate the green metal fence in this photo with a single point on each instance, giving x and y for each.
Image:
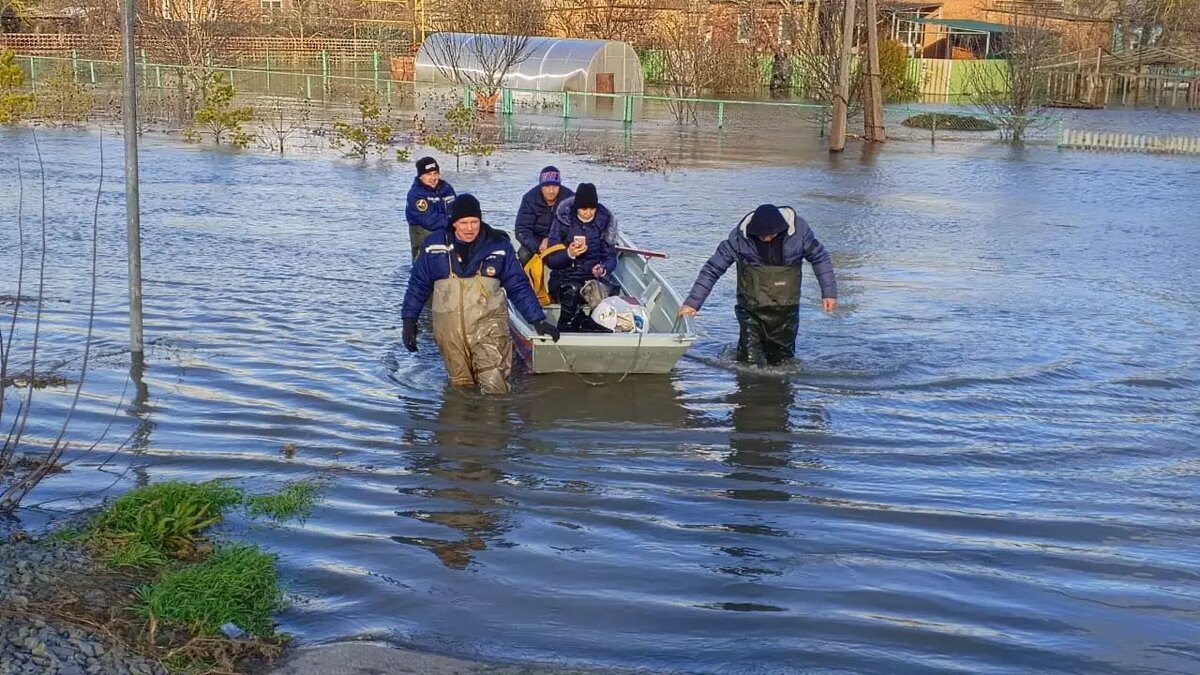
(937, 80)
(324, 86)
(334, 95)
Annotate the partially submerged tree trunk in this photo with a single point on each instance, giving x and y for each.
(841, 95)
(691, 60)
(873, 91)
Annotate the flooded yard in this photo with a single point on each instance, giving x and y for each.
(985, 461)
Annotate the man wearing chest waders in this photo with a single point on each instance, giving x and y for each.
(469, 268)
(769, 247)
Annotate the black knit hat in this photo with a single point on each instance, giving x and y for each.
(465, 206)
(585, 197)
(767, 220)
(425, 165)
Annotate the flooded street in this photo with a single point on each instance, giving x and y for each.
(986, 460)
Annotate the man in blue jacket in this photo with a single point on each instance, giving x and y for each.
(769, 247)
(588, 230)
(536, 214)
(429, 202)
(469, 268)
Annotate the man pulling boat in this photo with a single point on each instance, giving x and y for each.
(769, 247)
(466, 265)
(472, 273)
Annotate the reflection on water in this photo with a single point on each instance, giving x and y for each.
(471, 435)
(983, 462)
(761, 437)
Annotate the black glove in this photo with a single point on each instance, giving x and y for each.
(409, 335)
(544, 328)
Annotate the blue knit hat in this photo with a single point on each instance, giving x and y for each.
(549, 176)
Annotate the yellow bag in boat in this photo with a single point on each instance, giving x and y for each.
(539, 277)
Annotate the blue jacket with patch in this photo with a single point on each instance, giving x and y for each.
(492, 256)
(436, 202)
(535, 217)
(601, 236)
(799, 244)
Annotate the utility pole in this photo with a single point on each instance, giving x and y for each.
(841, 99)
(132, 209)
(873, 103)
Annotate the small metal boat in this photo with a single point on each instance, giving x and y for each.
(656, 350)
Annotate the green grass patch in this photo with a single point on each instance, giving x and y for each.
(236, 584)
(150, 525)
(295, 500)
(949, 122)
(65, 535)
(136, 554)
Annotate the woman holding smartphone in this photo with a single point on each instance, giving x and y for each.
(588, 230)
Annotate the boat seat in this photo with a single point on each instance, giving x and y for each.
(650, 298)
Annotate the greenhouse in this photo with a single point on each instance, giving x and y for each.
(554, 64)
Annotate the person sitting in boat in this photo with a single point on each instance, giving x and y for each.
(536, 214)
(769, 246)
(464, 267)
(588, 230)
(429, 202)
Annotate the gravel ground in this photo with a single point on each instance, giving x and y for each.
(32, 575)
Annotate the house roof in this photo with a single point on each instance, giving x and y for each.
(967, 25)
(903, 6)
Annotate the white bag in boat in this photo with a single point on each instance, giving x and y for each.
(620, 316)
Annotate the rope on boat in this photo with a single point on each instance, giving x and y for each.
(629, 369)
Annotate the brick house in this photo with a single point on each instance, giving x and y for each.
(760, 25)
(975, 28)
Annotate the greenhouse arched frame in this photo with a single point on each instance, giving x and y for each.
(553, 64)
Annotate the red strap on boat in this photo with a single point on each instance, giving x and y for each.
(645, 254)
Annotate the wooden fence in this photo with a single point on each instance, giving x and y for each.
(1106, 140)
(62, 44)
(957, 80)
(1102, 89)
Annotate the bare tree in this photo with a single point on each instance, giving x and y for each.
(282, 120)
(1161, 22)
(485, 41)
(691, 57)
(817, 55)
(22, 483)
(192, 36)
(302, 15)
(1014, 92)
(628, 21)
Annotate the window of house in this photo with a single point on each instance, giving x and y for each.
(271, 5)
(907, 31)
(166, 9)
(745, 27)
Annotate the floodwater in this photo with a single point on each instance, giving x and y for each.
(985, 461)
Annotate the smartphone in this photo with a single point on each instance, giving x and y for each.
(580, 240)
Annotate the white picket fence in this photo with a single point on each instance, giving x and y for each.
(1107, 140)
